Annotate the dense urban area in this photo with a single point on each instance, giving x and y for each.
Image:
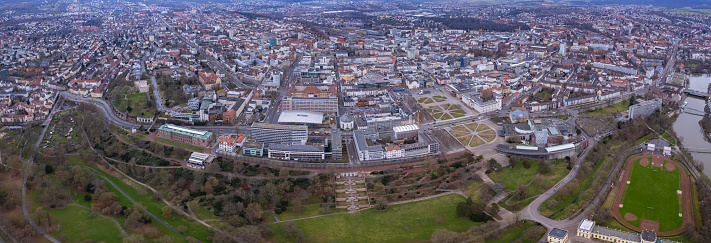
(355, 121)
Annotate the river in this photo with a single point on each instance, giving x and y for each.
(687, 125)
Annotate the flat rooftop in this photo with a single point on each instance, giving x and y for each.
(301, 117)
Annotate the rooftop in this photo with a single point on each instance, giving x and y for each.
(558, 233)
(279, 126)
(301, 117)
(186, 131)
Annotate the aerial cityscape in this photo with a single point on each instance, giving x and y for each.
(355, 121)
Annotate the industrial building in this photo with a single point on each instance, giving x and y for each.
(275, 133)
(186, 135)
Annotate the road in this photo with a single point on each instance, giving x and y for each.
(275, 106)
(104, 107)
(28, 167)
(156, 94)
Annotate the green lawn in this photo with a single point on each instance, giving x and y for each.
(512, 233)
(439, 98)
(446, 117)
(652, 195)
(309, 210)
(201, 212)
(137, 101)
(399, 223)
(426, 100)
(78, 225)
(516, 177)
(457, 114)
(179, 144)
(611, 110)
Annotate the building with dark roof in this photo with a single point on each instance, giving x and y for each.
(558, 236)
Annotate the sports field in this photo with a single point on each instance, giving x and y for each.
(652, 194)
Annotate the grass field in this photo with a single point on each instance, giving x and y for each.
(476, 141)
(488, 137)
(457, 134)
(472, 126)
(465, 140)
(482, 127)
(426, 100)
(652, 195)
(79, 224)
(446, 117)
(460, 128)
(512, 178)
(137, 102)
(179, 144)
(309, 210)
(512, 233)
(439, 98)
(400, 223)
(610, 110)
(201, 212)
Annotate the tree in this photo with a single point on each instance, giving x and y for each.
(167, 212)
(381, 205)
(379, 188)
(253, 213)
(48, 169)
(473, 210)
(493, 164)
(526, 163)
(290, 230)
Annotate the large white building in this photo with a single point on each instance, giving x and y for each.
(589, 230)
(481, 106)
(275, 133)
